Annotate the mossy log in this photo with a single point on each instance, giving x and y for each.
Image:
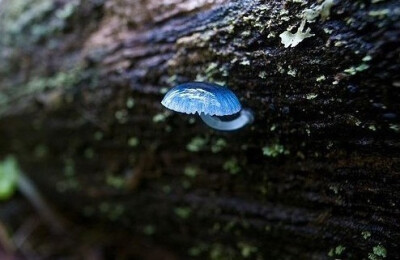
(316, 176)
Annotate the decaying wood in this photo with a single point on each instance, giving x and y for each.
(315, 177)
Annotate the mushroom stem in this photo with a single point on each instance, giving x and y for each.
(245, 117)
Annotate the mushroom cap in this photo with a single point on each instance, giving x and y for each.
(200, 97)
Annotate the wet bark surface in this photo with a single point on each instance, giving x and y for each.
(316, 176)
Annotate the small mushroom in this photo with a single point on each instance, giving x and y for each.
(209, 101)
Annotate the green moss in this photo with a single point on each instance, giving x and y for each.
(323, 10)
(191, 171)
(149, 230)
(229, 226)
(311, 96)
(196, 144)
(133, 141)
(67, 185)
(395, 127)
(166, 189)
(98, 136)
(198, 250)
(336, 251)
(168, 129)
(192, 120)
(116, 182)
(89, 153)
(111, 211)
(121, 116)
(378, 252)
(160, 117)
(212, 67)
(88, 211)
(130, 103)
(221, 252)
(367, 58)
(163, 90)
(215, 73)
(353, 70)
(216, 228)
(334, 188)
(115, 211)
(172, 80)
(339, 250)
(263, 188)
(183, 212)
(366, 234)
(25, 22)
(67, 10)
(379, 13)
(104, 207)
(274, 150)
(245, 62)
(292, 72)
(232, 166)
(9, 172)
(262, 74)
(41, 151)
(20, 15)
(69, 167)
(186, 184)
(218, 145)
(62, 80)
(246, 249)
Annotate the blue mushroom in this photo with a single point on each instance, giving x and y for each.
(209, 101)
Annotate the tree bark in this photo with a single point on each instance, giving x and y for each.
(316, 176)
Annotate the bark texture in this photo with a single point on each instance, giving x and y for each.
(317, 175)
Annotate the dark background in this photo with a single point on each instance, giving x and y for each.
(316, 176)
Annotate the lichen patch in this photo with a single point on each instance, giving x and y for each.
(293, 39)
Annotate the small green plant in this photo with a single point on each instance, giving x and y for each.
(9, 172)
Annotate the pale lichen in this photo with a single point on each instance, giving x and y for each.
(323, 10)
(353, 70)
(293, 39)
